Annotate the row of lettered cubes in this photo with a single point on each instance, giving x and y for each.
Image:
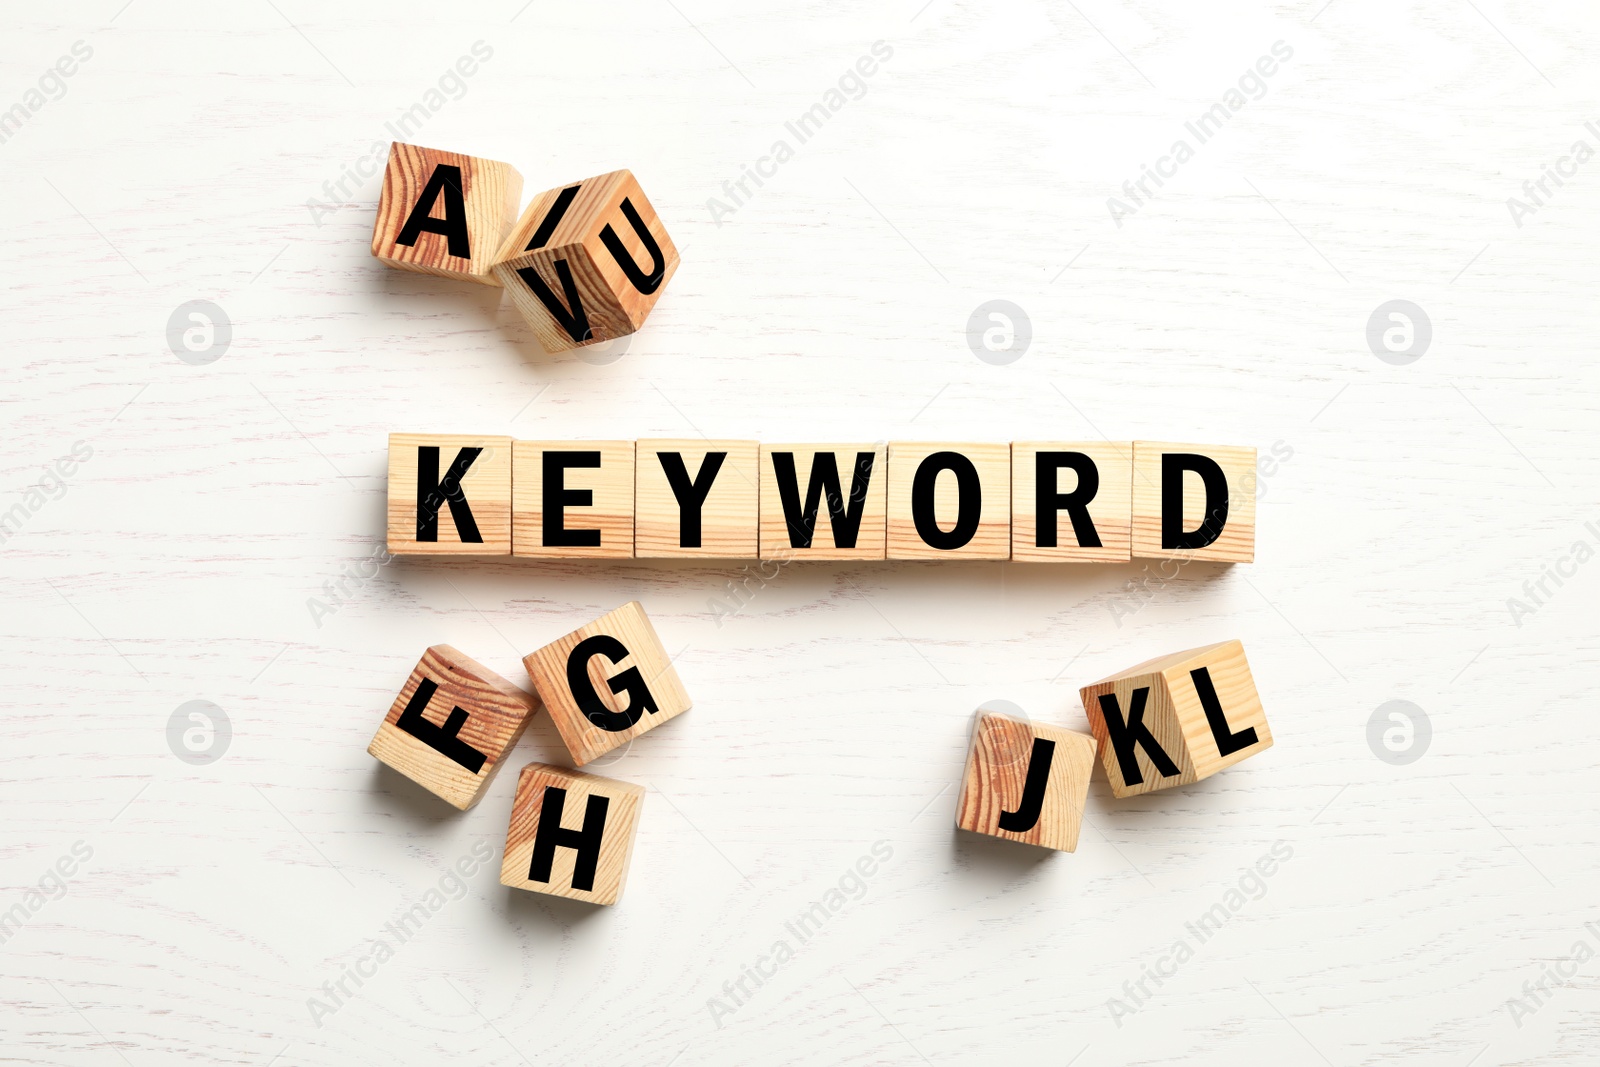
(1166, 722)
(1042, 501)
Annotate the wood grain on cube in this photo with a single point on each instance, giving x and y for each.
(1025, 781)
(586, 847)
(1216, 485)
(1066, 495)
(588, 486)
(824, 501)
(444, 213)
(1201, 711)
(587, 261)
(949, 500)
(575, 676)
(449, 495)
(719, 513)
(452, 753)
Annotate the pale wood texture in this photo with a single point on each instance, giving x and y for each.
(998, 762)
(1110, 510)
(497, 713)
(992, 537)
(486, 485)
(1237, 543)
(1175, 718)
(777, 539)
(623, 803)
(490, 192)
(730, 516)
(612, 305)
(642, 659)
(610, 510)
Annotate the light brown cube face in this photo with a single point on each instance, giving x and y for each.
(444, 213)
(587, 261)
(695, 498)
(1194, 502)
(1176, 719)
(572, 499)
(607, 683)
(452, 725)
(449, 495)
(949, 500)
(1025, 782)
(1071, 501)
(824, 501)
(571, 834)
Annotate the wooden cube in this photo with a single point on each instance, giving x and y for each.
(1071, 501)
(444, 213)
(949, 500)
(696, 498)
(1176, 719)
(572, 499)
(607, 682)
(1194, 502)
(452, 725)
(824, 501)
(449, 495)
(587, 261)
(571, 834)
(1025, 781)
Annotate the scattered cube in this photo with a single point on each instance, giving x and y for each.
(606, 683)
(449, 495)
(696, 498)
(1071, 501)
(571, 834)
(949, 501)
(444, 213)
(1176, 719)
(1194, 502)
(824, 501)
(572, 499)
(452, 725)
(1025, 781)
(587, 261)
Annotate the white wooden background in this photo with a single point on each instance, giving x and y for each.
(832, 711)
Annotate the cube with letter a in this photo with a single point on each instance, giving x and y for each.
(1176, 719)
(607, 682)
(444, 213)
(452, 725)
(449, 495)
(571, 834)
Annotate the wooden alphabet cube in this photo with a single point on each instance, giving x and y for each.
(449, 495)
(1194, 502)
(1071, 501)
(1176, 719)
(1025, 781)
(587, 261)
(824, 501)
(949, 500)
(452, 725)
(444, 213)
(571, 834)
(607, 682)
(572, 499)
(696, 498)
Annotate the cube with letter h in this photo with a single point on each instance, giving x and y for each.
(606, 683)
(1176, 719)
(586, 262)
(1025, 781)
(571, 834)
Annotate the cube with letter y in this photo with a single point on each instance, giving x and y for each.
(571, 834)
(696, 498)
(444, 213)
(1176, 719)
(452, 725)
(607, 682)
(1025, 781)
(449, 495)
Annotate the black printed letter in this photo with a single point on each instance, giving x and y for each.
(552, 835)
(1134, 732)
(969, 499)
(433, 491)
(1048, 502)
(1173, 466)
(640, 699)
(556, 497)
(444, 739)
(445, 179)
(1032, 802)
